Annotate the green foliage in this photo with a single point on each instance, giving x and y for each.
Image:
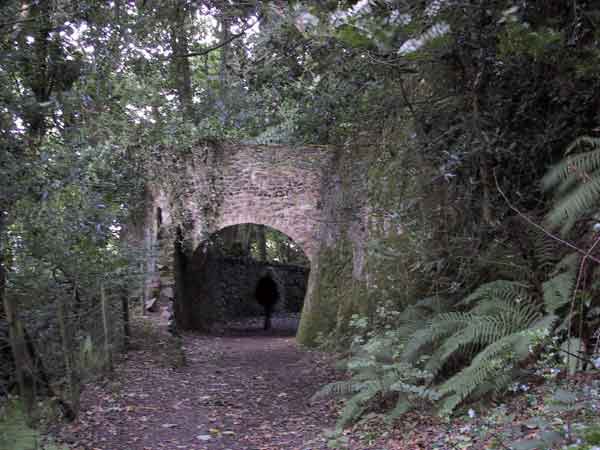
(499, 332)
(557, 290)
(442, 115)
(377, 374)
(519, 39)
(592, 436)
(353, 37)
(494, 336)
(16, 433)
(448, 357)
(576, 183)
(246, 240)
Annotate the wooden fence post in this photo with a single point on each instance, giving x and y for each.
(107, 344)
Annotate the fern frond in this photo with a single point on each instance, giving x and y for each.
(547, 250)
(487, 364)
(586, 162)
(497, 290)
(403, 405)
(493, 367)
(557, 291)
(356, 405)
(441, 326)
(484, 330)
(416, 312)
(570, 263)
(338, 389)
(415, 317)
(404, 332)
(496, 384)
(576, 182)
(575, 204)
(435, 304)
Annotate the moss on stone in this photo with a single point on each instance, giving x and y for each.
(390, 184)
(334, 298)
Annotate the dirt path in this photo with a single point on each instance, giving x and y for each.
(246, 389)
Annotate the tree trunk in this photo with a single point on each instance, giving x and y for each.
(125, 312)
(106, 327)
(16, 333)
(2, 270)
(19, 351)
(261, 242)
(486, 202)
(144, 288)
(181, 64)
(67, 350)
(225, 34)
(41, 376)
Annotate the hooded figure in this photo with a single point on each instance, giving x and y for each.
(267, 294)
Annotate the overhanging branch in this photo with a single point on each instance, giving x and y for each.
(221, 44)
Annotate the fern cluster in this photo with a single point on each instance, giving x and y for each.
(450, 352)
(575, 182)
(493, 334)
(447, 353)
(377, 374)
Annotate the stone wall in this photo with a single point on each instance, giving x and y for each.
(316, 195)
(338, 284)
(221, 288)
(214, 186)
(376, 204)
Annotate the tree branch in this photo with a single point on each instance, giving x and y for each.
(221, 44)
(541, 228)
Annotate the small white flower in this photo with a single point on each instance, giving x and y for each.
(596, 227)
(472, 413)
(596, 362)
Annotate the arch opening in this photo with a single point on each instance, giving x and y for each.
(221, 286)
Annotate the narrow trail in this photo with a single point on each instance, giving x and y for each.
(244, 389)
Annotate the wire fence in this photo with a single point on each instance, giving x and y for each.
(69, 330)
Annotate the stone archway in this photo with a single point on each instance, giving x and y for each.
(217, 284)
(219, 185)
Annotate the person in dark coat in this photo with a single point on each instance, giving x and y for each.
(267, 294)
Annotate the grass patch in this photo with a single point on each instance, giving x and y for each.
(17, 434)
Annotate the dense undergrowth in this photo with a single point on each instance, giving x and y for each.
(538, 319)
(478, 161)
(482, 255)
(17, 430)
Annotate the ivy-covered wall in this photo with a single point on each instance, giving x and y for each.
(337, 287)
(213, 185)
(356, 211)
(373, 232)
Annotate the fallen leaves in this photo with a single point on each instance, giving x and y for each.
(236, 393)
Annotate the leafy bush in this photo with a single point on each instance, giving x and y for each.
(446, 353)
(16, 433)
(378, 376)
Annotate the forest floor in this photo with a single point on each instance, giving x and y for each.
(242, 388)
(245, 388)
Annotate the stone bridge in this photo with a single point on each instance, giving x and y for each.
(213, 186)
